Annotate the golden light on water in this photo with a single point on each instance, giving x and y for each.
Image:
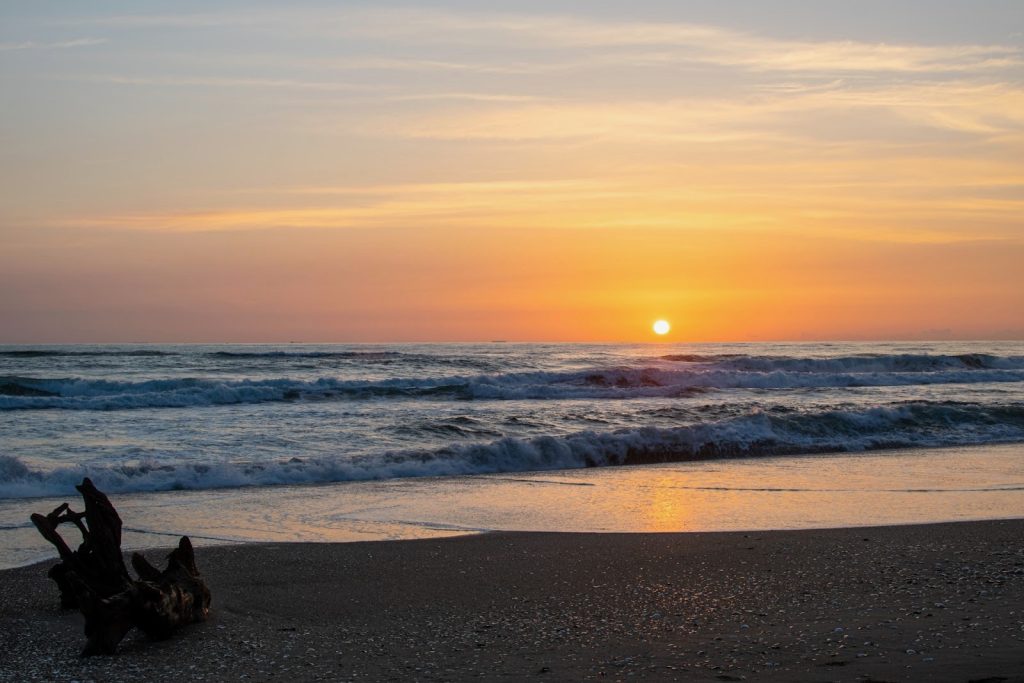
(662, 327)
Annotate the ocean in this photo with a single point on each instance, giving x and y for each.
(216, 425)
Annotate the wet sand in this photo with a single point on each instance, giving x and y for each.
(938, 602)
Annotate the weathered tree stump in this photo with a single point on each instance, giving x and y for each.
(94, 578)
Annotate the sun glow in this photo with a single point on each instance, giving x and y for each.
(462, 173)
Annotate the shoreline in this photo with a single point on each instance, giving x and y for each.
(913, 486)
(942, 601)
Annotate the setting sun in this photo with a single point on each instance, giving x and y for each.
(662, 327)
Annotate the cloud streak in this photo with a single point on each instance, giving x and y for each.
(914, 202)
(58, 45)
(983, 111)
(229, 82)
(679, 43)
(600, 41)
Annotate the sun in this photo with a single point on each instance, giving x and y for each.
(661, 327)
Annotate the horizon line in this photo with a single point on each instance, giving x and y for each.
(872, 340)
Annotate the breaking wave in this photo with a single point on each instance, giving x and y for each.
(915, 424)
(58, 353)
(865, 363)
(23, 393)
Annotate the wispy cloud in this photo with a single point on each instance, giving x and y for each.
(363, 206)
(916, 202)
(465, 96)
(597, 41)
(981, 110)
(679, 42)
(59, 45)
(229, 82)
(380, 92)
(179, 20)
(504, 66)
(728, 98)
(560, 187)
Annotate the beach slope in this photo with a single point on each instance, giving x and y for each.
(938, 602)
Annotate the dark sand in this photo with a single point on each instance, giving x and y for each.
(939, 602)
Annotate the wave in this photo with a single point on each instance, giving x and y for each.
(856, 364)
(54, 353)
(23, 393)
(917, 424)
(73, 353)
(861, 363)
(20, 393)
(368, 355)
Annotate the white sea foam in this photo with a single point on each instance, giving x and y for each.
(757, 434)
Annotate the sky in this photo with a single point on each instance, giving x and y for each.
(556, 171)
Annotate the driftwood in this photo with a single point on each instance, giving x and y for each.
(94, 578)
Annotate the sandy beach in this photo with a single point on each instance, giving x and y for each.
(932, 602)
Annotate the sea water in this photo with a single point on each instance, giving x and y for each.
(430, 434)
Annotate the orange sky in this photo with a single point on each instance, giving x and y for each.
(380, 173)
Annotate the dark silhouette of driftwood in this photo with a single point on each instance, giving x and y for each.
(94, 578)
